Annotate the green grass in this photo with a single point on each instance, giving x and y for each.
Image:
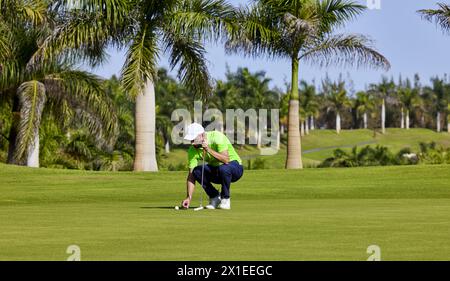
(320, 144)
(314, 214)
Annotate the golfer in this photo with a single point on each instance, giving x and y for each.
(224, 165)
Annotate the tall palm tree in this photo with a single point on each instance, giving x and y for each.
(169, 95)
(148, 29)
(302, 31)
(383, 90)
(448, 117)
(253, 92)
(441, 17)
(364, 104)
(409, 99)
(337, 98)
(439, 93)
(54, 84)
(309, 105)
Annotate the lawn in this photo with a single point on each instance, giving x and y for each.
(314, 214)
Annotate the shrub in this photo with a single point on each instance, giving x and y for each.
(430, 153)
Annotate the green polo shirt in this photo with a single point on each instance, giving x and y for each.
(217, 142)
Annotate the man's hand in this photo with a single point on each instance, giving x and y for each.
(205, 146)
(186, 202)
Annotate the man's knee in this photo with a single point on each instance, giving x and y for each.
(197, 172)
(224, 170)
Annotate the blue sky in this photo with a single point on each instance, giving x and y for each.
(411, 44)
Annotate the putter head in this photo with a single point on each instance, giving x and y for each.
(199, 208)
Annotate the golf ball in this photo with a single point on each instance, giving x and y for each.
(177, 208)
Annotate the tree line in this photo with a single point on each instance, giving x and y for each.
(42, 89)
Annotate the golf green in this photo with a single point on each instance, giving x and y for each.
(314, 214)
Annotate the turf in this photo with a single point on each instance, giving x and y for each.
(314, 214)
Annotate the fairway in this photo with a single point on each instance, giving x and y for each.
(315, 214)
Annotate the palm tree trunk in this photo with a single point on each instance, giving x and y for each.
(33, 155)
(294, 149)
(383, 116)
(278, 139)
(307, 126)
(13, 132)
(365, 120)
(338, 122)
(438, 122)
(302, 129)
(313, 126)
(167, 147)
(258, 138)
(282, 129)
(448, 122)
(402, 125)
(407, 119)
(145, 118)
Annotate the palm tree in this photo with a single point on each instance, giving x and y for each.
(383, 90)
(308, 104)
(337, 98)
(169, 96)
(439, 93)
(409, 99)
(302, 31)
(364, 104)
(254, 92)
(54, 84)
(448, 117)
(441, 17)
(246, 90)
(148, 29)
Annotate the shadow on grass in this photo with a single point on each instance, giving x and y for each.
(165, 208)
(157, 207)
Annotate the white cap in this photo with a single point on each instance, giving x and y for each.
(193, 130)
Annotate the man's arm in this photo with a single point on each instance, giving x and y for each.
(221, 156)
(190, 186)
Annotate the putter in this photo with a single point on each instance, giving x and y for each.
(201, 195)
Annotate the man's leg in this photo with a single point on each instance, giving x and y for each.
(229, 173)
(207, 178)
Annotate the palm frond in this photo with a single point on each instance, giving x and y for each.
(209, 19)
(335, 13)
(5, 43)
(32, 100)
(254, 33)
(189, 56)
(33, 12)
(344, 50)
(112, 10)
(80, 94)
(440, 16)
(141, 61)
(83, 31)
(10, 74)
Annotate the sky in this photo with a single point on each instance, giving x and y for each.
(411, 44)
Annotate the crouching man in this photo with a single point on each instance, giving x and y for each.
(224, 166)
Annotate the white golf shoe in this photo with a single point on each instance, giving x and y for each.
(213, 203)
(225, 204)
